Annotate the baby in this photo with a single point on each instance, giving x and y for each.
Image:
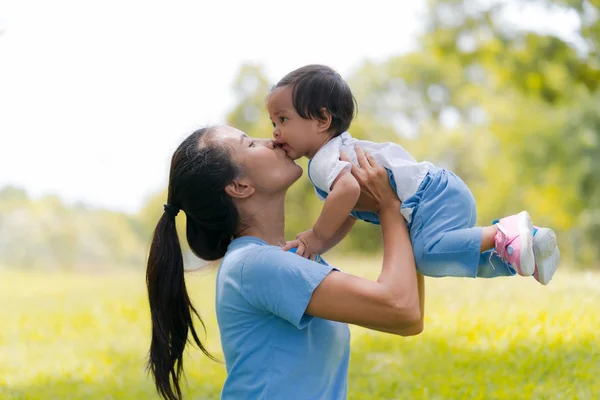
(311, 109)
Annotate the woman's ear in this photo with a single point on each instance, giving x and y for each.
(324, 122)
(239, 189)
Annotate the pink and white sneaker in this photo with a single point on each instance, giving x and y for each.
(514, 242)
(547, 254)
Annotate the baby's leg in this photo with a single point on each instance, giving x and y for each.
(446, 242)
(443, 233)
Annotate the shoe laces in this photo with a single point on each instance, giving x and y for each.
(502, 251)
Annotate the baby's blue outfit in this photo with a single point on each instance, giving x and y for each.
(440, 214)
(442, 230)
(272, 349)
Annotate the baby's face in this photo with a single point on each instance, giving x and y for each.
(299, 137)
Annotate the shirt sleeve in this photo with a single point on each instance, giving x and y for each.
(281, 283)
(326, 165)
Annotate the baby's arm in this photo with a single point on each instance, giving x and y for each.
(341, 200)
(332, 222)
(340, 234)
(308, 245)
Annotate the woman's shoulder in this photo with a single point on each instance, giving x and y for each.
(248, 250)
(255, 256)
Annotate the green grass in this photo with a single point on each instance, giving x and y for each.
(76, 336)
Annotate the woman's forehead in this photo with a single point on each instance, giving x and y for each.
(228, 134)
(234, 140)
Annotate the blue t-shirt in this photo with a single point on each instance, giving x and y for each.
(272, 349)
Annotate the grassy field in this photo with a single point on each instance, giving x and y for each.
(76, 336)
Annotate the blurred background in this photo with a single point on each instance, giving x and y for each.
(96, 96)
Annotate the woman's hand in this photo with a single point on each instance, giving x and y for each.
(375, 189)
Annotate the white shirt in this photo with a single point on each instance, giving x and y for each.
(326, 165)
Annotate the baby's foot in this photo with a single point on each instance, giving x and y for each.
(547, 255)
(514, 242)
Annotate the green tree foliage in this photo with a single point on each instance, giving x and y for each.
(511, 111)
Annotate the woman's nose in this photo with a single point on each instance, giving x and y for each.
(268, 143)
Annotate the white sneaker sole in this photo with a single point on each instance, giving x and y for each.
(527, 261)
(547, 254)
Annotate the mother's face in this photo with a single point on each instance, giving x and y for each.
(267, 167)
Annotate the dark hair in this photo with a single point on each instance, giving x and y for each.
(317, 86)
(200, 170)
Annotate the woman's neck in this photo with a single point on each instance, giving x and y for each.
(264, 218)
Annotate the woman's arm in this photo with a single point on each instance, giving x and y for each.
(389, 304)
(416, 328)
(419, 325)
(392, 303)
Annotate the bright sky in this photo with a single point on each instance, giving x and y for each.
(96, 95)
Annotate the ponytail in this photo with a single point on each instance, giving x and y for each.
(170, 308)
(200, 170)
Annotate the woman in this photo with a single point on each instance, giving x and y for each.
(282, 318)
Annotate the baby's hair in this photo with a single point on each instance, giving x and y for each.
(315, 87)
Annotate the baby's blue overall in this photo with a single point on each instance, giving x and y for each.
(442, 229)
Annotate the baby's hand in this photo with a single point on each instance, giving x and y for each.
(309, 244)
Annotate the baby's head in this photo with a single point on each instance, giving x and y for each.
(307, 107)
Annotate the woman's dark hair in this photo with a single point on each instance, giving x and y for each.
(200, 170)
(317, 86)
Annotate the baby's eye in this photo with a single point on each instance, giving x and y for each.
(273, 123)
(251, 144)
(282, 119)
